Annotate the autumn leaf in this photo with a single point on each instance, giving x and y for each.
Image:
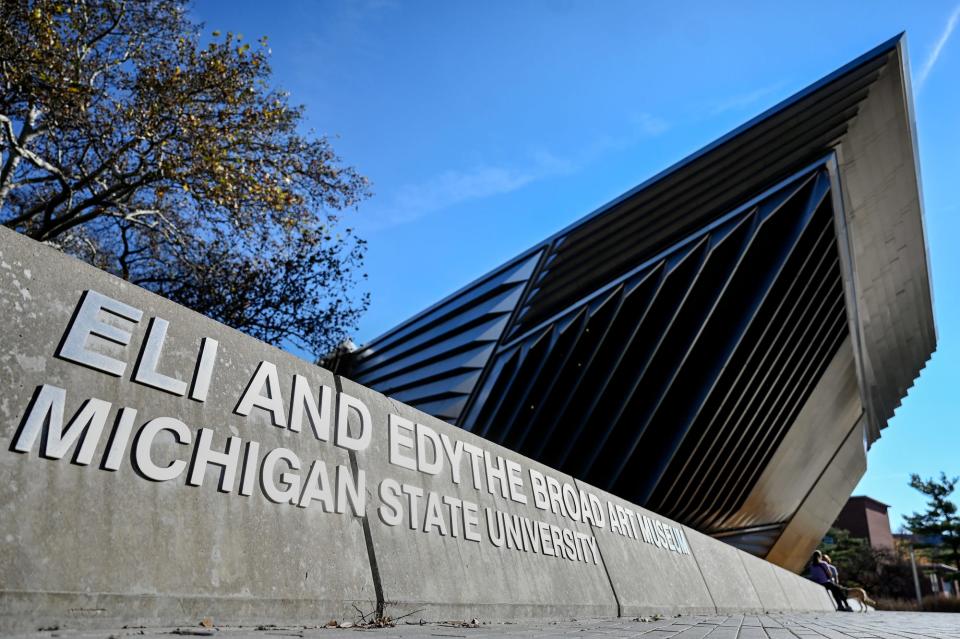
(175, 165)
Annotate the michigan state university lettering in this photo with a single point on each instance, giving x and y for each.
(524, 448)
(164, 448)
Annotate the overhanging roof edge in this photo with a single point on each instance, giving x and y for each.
(883, 202)
(907, 83)
(880, 50)
(894, 44)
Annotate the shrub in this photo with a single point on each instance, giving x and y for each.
(884, 603)
(930, 603)
(940, 603)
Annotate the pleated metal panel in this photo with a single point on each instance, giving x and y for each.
(883, 206)
(756, 541)
(664, 346)
(434, 360)
(674, 386)
(670, 205)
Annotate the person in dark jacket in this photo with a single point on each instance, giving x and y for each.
(820, 573)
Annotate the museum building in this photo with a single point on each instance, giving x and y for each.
(723, 343)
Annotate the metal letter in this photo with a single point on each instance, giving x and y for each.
(391, 511)
(146, 371)
(398, 436)
(272, 402)
(249, 472)
(118, 445)
(46, 414)
(203, 455)
(290, 480)
(201, 377)
(317, 486)
(424, 434)
(86, 322)
(344, 438)
(348, 491)
(301, 401)
(181, 434)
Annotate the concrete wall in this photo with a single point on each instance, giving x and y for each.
(306, 510)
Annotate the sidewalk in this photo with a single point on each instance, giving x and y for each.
(875, 625)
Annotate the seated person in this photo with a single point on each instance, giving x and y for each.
(820, 573)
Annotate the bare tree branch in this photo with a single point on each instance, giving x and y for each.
(172, 164)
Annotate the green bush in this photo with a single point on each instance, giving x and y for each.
(881, 573)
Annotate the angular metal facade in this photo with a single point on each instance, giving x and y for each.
(720, 344)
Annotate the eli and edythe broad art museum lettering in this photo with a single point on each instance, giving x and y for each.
(659, 409)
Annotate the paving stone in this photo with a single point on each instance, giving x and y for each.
(832, 625)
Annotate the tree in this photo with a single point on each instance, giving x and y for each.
(855, 560)
(127, 142)
(938, 527)
(881, 573)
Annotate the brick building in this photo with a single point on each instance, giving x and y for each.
(866, 518)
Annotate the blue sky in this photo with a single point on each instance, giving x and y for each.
(486, 127)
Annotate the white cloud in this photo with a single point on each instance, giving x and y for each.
(744, 100)
(413, 201)
(938, 47)
(451, 187)
(637, 126)
(648, 125)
